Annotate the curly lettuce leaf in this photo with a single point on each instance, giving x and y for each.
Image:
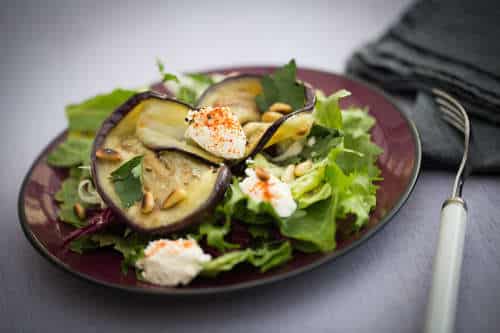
(357, 124)
(264, 258)
(354, 193)
(309, 181)
(327, 110)
(238, 205)
(319, 193)
(215, 235)
(314, 227)
(131, 246)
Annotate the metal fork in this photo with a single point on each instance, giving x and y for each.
(448, 260)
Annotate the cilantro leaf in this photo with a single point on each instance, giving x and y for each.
(67, 196)
(165, 76)
(72, 152)
(89, 115)
(282, 86)
(127, 181)
(201, 78)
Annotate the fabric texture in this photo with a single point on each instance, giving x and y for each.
(454, 46)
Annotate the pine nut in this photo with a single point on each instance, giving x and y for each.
(79, 211)
(174, 198)
(281, 108)
(302, 168)
(148, 202)
(108, 154)
(271, 116)
(262, 174)
(288, 175)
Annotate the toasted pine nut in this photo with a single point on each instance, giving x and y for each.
(281, 108)
(303, 131)
(302, 168)
(262, 174)
(108, 154)
(271, 116)
(148, 202)
(289, 174)
(174, 198)
(250, 128)
(79, 211)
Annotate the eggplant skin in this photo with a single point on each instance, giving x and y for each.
(197, 216)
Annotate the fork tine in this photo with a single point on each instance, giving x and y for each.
(454, 114)
(452, 122)
(447, 107)
(447, 112)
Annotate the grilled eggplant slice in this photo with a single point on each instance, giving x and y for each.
(239, 92)
(172, 169)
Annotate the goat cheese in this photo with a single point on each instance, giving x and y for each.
(172, 262)
(272, 190)
(218, 131)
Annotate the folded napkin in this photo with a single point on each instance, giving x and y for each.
(454, 46)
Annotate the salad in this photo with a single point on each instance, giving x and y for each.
(207, 173)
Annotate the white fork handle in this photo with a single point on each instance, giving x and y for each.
(447, 264)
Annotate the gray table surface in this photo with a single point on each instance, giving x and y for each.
(60, 51)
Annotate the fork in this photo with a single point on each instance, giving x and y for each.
(448, 260)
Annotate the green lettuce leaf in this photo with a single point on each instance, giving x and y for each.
(238, 205)
(131, 247)
(309, 181)
(327, 110)
(313, 227)
(72, 152)
(264, 258)
(89, 115)
(357, 124)
(282, 86)
(319, 193)
(215, 235)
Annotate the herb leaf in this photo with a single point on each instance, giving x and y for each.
(72, 152)
(127, 181)
(165, 76)
(131, 246)
(201, 78)
(67, 196)
(281, 86)
(89, 115)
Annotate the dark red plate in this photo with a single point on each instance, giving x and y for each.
(400, 164)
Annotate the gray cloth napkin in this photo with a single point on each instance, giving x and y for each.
(454, 46)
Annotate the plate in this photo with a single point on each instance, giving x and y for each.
(400, 165)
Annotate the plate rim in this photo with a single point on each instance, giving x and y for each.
(243, 285)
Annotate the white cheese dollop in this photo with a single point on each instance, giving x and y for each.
(170, 263)
(218, 131)
(272, 190)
